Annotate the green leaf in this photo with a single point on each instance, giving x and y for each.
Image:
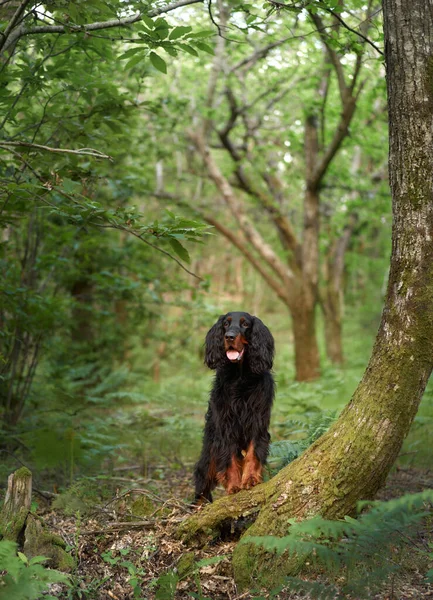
(158, 62)
(36, 560)
(148, 21)
(203, 34)
(170, 50)
(130, 53)
(178, 32)
(205, 47)
(188, 49)
(134, 61)
(180, 250)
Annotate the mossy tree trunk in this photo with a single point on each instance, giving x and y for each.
(352, 460)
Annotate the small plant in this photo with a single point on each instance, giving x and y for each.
(134, 572)
(166, 584)
(23, 578)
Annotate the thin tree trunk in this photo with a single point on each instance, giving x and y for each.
(332, 297)
(307, 359)
(333, 331)
(331, 303)
(351, 461)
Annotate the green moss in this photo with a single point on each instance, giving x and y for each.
(40, 542)
(186, 564)
(22, 473)
(142, 507)
(11, 526)
(12, 523)
(429, 79)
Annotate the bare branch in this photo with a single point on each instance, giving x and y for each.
(238, 240)
(249, 61)
(224, 187)
(240, 243)
(333, 56)
(339, 135)
(80, 152)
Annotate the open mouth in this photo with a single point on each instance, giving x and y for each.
(234, 355)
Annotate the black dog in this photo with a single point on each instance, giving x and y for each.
(236, 439)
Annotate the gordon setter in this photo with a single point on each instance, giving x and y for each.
(236, 439)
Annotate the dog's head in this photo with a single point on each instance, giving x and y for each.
(237, 337)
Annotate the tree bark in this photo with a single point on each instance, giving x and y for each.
(333, 326)
(307, 359)
(351, 461)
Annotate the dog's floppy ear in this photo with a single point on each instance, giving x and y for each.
(214, 352)
(260, 348)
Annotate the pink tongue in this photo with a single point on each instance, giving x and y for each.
(232, 354)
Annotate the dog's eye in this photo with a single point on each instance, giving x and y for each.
(226, 324)
(244, 324)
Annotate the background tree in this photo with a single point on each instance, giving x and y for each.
(263, 111)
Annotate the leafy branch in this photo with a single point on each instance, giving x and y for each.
(12, 33)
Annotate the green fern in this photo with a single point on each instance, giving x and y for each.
(360, 550)
(283, 452)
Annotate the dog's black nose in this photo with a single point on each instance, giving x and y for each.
(230, 336)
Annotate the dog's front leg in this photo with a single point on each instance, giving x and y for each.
(231, 478)
(252, 469)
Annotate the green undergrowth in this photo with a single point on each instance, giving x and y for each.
(95, 422)
(22, 578)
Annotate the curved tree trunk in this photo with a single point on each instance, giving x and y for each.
(352, 460)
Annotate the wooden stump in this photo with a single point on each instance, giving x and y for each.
(17, 505)
(27, 530)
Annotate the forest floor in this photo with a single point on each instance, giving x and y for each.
(121, 556)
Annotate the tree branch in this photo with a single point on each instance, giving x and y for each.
(283, 225)
(256, 240)
(339, 135)
(250, 61)
(358, 33)
(217, 67)
(82, 151)
(13, 22)
(333, 56)
(240, 243)
(17, 33)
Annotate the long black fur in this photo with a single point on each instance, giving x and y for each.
(240, 402)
